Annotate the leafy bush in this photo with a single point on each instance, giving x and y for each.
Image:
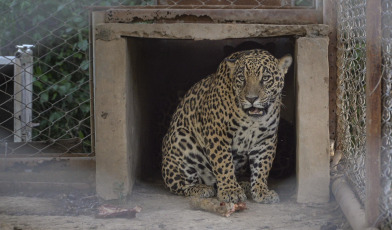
(59, 31)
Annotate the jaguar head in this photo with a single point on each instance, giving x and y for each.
(258, 80)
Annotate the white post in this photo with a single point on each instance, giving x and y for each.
(23, 93)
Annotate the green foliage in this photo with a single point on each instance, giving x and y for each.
(61, 103)
(59, 31)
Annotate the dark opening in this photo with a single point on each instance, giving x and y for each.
(165, 69)
(6, 102)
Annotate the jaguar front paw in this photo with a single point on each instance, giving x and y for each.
(265, 196)
(231, 195)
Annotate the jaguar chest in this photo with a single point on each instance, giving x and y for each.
(247, 138)
(250, 138)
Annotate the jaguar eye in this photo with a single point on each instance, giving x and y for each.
(265, 78)
(241, 77)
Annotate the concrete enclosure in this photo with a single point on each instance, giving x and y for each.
(141, 69)
(164, 69)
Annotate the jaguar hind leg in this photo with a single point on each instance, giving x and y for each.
(185, 169)
(185, 182)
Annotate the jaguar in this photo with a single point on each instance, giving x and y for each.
(224, 126)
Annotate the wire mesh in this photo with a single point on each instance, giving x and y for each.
(351, 90)
(386, 160)
(45, 102)
(45, 90)
(351, 99)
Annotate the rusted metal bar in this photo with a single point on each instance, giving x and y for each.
(373, 110)
(330, 19)
(276, 3)
(91, 82)
(260, 16)
(286, 7)
(264, 3)
(349, 204)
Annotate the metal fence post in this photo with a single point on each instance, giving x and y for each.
(23, 93)
(373, 110)
(330, 19)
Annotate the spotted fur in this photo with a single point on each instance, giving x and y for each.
(225, 124)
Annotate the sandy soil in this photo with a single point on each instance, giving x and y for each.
(162, 210)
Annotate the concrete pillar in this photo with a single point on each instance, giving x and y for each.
(312, 118)
(113, 178)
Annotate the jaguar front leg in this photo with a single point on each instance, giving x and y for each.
(260, 165)
(221, 161)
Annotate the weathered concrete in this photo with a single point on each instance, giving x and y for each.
(119, 131)
(312, 120)
(214, 15)
(46, 174)
(162, 210)
(111, 72)
(199, 31)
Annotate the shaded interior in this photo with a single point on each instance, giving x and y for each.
(6, 102)
(162, 70)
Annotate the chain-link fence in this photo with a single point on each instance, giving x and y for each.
(45, 101)
(352, 99)
(351, 89)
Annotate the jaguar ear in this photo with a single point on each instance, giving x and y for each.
(285, 63)
(230, 62)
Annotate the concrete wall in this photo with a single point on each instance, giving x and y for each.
(119, 119)
(112, 131)
(312, 120)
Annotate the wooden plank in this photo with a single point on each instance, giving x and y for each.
(373, 110)
(330, 19)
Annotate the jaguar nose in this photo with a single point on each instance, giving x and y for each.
(251, 99)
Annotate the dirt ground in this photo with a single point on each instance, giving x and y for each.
(162, 210)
